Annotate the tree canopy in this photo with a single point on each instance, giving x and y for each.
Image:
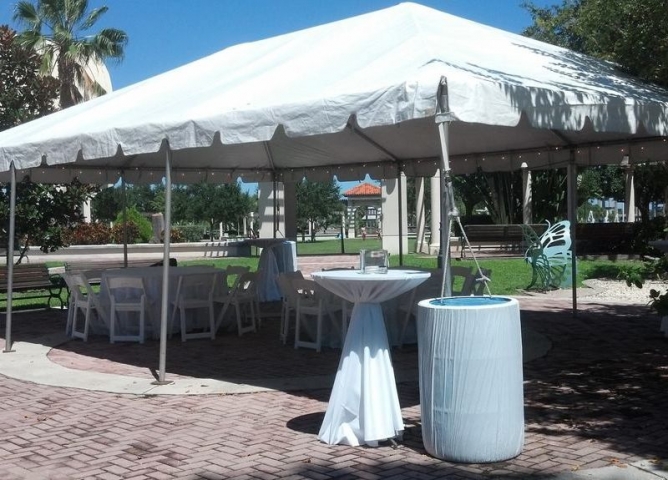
(631, 33)
(24, 94)
(43, 214)
(318, 206)
(59, 30)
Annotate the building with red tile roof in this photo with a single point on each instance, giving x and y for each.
(364, 204)
(363, 190)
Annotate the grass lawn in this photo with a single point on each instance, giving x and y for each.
(508, 274)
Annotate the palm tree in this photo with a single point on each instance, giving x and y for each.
(54, 28)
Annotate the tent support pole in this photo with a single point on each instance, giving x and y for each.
(400, 198)
(275, 209)
(572, 191)
(124, 199)
(10, 260)
(443, 118)
(165, 269)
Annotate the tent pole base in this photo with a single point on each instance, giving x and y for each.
(163, 382)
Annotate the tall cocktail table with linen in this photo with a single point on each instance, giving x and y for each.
(278, 256)
(364, 406)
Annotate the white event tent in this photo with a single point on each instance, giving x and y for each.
(405, 89)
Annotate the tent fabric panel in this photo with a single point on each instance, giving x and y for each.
(319, 82)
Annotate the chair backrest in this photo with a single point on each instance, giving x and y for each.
(92, 276)
(479, 284)
(284, 281)
(125, 288)
(304, 287)
(247, 284)
(197, 286)
(307, 288)
(76, 282)
(462, 280)
(234, 273)
(82, 290)
(221, 287)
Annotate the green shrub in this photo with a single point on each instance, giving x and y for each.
(118, 232)
(175, 236)
(95, 233)
(644, 232)
(191, 233)
(144, 231)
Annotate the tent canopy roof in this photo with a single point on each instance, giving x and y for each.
(353, 97)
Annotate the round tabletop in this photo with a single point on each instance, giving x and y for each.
(356, 286)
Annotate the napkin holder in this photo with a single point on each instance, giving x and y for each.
(374, 261)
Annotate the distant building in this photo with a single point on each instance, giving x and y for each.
(363, 203)
(94, 72)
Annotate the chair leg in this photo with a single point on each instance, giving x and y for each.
(255, 315)
(86, 323)
(297, 325)
(73, 331)
(281, 329)
(289, 314)
(285, 322)
(256, 320)
(70, 318)
(112, 321)
(172, 318)
(239, 323)
(183, 323)
(142, 318)
(212, 322)
(318, 332)
(221, 315)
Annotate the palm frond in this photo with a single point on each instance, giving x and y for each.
(93, 17)
(30, 39)
(26, 14)
(110, 43)
(74, 11)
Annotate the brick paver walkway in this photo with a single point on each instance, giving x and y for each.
(597, 398)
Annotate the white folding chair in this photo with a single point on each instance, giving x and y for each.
(288, 301)
(244, 298)
(84, 299)
(195, 292)
(313, 301)
(127, 295)
(475, 284)
(233, 274)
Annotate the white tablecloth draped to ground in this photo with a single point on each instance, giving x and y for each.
(152, 277)
(364, 406)
(278, 256)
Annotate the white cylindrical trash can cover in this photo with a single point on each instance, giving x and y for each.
(471, 392)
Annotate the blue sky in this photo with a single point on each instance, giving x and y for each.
(165, 34)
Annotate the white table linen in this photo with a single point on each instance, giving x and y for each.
(364, 405)
(152, 277)
(471, 378)
(276, 257)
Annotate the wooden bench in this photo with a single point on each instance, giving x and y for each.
(34, 279)
(496, 237)
(604, 238)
